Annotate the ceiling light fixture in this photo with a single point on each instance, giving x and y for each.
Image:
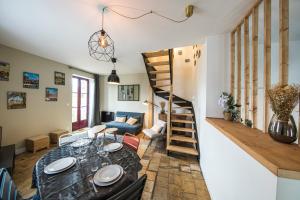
(101, 46)
(113, 78)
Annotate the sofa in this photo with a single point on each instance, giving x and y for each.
(123, 127)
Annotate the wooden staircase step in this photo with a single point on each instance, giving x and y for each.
(161, 79)
(183, 121)
(174, 128)
(160, 72)
(183, 114)
(160, 63)
(156, 54)
(163, 91)
(183, 139)
(162, 85)
(179, 102)
(183, 107)
(180, 149)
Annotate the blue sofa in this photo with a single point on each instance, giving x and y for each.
(123, 127)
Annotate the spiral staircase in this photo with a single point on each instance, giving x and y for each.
(182, 135)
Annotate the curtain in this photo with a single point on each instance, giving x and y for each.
(97, 119)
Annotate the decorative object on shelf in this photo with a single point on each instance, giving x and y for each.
(162, 106)
(129, 92)
(248, 123)
(113, 78)
(231, 111)
(283, 99)
(4, 71)
(16, 100)
(31, 80)
(59, 78)
(51, 94)
(101, 46)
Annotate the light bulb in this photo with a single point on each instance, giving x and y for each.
(103, 42)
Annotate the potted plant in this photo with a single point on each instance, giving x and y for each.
(230, 108)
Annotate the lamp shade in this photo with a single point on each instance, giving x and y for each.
(113, 78)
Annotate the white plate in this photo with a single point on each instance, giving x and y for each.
(60, 165)
(81, 142)
(111, 182)
(107, 174)
(113, 147)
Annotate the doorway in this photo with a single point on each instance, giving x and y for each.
(80, 102)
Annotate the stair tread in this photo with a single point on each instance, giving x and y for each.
(183, 121)
(179, 101)
(174, 128)
(180, 149)
(163, 91)
(159, 63)
(183, 139)
(162, 85)
(159, 72)
(156, 54)
(183, 107)
(161, 79)
(183, 114)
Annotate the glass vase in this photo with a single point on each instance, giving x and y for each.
(283, 131)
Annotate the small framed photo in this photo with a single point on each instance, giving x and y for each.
(16, 100)
(4, 71)
(51, 94)
(59, 78)
(31, 80)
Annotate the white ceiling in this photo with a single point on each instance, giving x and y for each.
(60, 29)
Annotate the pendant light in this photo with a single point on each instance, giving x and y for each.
(101, 46)
(113, 78)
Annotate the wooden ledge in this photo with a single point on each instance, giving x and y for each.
(283, 160)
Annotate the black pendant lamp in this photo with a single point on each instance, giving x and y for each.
(113, 78)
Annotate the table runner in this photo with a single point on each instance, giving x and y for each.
(74, 183)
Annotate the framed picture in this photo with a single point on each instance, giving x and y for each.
(4, 71)
(16, 100)
(51, 94)
(31, 80)
(59, 78)
(128, 92)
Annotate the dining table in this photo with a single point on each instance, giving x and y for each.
(75, 183)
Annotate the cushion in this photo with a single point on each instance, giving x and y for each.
(131, 121)
(150, 133)
(120, 119)
(156, 128)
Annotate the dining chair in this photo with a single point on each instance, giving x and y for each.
(133, 191)
(64, 139)
(8, 189)
(131, 140)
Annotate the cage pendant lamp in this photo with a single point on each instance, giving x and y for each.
(100, 44)
(113, 78)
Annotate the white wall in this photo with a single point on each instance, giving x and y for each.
(109, 94)
(39, 116)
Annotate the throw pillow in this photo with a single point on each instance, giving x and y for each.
(156, 128)
(120, 119)
(131, 121)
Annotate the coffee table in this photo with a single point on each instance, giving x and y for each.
(111, 131)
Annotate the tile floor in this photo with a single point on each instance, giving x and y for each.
(171, 177)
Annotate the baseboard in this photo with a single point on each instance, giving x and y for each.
(20, 150)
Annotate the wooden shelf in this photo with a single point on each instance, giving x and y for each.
(283, 160)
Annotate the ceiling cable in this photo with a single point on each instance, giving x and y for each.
(142, 15)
